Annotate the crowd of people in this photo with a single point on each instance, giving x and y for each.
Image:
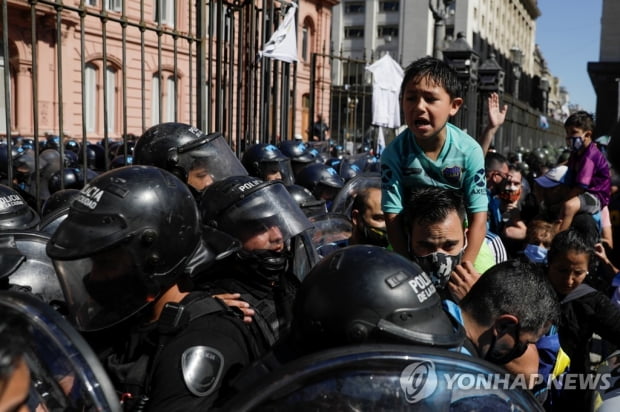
(193, 274)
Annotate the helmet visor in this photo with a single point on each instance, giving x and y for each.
(103, 290)
(278, 170)
(271, 206)
(213, 154)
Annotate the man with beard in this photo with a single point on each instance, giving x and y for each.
(367, 218)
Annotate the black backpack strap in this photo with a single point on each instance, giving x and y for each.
(265, 319)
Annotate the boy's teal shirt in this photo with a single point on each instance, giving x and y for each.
(459, 166)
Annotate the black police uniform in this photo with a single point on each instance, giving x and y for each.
(270, 294)
(184, 360)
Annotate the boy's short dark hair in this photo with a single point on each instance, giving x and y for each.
(432, 205)
(514, 288)
(436, 70)
(580, 119)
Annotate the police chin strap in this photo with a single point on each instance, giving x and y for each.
(452, 340)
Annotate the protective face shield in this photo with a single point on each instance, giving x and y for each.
(267, 162)
(65, 373)
(439, 266)
(25, 265)
(380, 377)
(211, 152)
(343, 201)
(135, 225)
(535, 253)
(180, 148)
(105, 289)
(330, 232)
(255, 207)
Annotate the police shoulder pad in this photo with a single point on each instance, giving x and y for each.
(202, 369)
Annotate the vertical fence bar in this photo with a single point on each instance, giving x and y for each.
(175, 64)
(142, 67)
(190, 53)
(59, 59)
(241, 15)
(84, 140)
(201, 61)
(7, 90)
(35, 99)
(124, 78)
(104, 73)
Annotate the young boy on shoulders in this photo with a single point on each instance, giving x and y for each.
(433, 152)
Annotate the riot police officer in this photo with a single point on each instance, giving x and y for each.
(124, 255)
(196, 158)
(361, 294)
(264, 218)
(267, 162)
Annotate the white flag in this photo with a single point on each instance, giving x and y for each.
(283, 42)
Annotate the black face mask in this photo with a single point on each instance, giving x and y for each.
(265, 261)
(373, 235)
(517, 351)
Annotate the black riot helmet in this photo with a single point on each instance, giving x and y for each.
(15, 214)
(310, 205)
(58, 200)
(180, 148)
(22, 159)
(127, 238)
(72, 178)
(365, 293)
(95, 157)
(298, 152)
(243, 206)
(323, 181)
(262, 160)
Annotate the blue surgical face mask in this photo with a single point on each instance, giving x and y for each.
(576, 143)
(536, 253)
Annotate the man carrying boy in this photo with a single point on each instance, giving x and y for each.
(433, 152)
(588, 176)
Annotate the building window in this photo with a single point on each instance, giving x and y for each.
(304, 43)
(384, 31)
(91, 2)
(353, 7)
(164, 12)
(3, 68)
(352, 32)
(165, 98)
(110, 98)
(114, 5)
(90, 93)
(94, 99)
(389, 5)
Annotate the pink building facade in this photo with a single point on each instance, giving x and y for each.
(101, 68)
